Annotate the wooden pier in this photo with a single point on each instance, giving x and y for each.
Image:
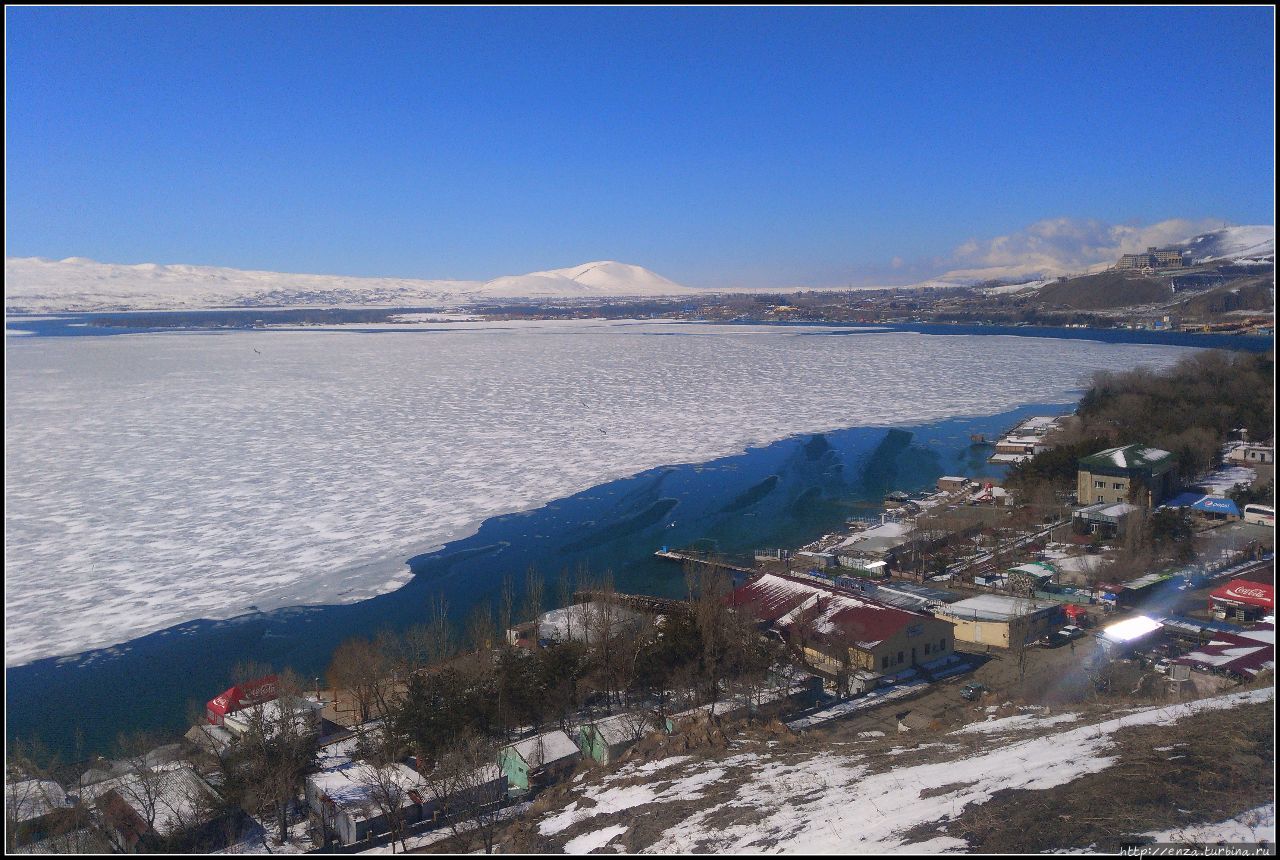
(682, 557)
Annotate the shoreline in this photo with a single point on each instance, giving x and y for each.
(431, 549)
(172, 663)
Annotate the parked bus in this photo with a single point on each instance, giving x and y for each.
(1260, 514)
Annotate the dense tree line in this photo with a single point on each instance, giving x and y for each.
(1188, 410)
(611, 662)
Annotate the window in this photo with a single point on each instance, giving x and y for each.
(1117, 486)
(1099, 485)
(884, 663)
(942, 646)
(926, 647)
(899, 656)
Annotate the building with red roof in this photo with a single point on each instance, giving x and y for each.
(1242, 654)
(840, 631)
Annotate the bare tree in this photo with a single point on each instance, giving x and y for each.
(37, 806)
(533, 597)
(480, 630)
(564, 592)
(384, 787)
(277, 750)
(146, 784)
(506, 605)
(469, 789)
(362, 669)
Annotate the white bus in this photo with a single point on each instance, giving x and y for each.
(1260, 514)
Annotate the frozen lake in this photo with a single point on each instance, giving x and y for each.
(153, 479)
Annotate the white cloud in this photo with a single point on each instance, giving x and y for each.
(1065, 245)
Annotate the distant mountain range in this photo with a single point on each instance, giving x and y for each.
(1248, 244)
(39, 285)
(1233, 244)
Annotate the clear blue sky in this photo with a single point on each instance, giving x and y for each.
(752, 146)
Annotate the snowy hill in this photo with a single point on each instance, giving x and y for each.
(605, 278)
(1254, 243)
(76, 284)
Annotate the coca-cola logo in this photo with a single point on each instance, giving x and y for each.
(1250, 592)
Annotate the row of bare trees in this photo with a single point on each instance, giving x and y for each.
(437, 685)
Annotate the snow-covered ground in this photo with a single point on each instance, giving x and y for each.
(1255, 825)
(1226, 478)
(153, 479)
(837, 802)
(1242, 244)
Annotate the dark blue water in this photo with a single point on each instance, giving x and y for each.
(1240, 342)
(782, 494)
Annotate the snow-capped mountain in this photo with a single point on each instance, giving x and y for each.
(1254, 243)
(590, 279)
(77, 284)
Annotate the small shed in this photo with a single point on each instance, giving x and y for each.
(538, 761)
(605, 740)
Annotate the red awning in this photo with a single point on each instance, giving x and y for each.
(1250, 593)
(243, 695)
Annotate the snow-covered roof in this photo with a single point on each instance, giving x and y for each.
(1128, 457)
(33, 798)
(621, 728)
(545, 749)
(582, 621)
(1036, 569)
(172, 796)
(308, 709)
(1245, 653)
(784, 601)
(352, 785)
(993, 607)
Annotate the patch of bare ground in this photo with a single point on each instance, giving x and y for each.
(940, 790)
(1204, 768)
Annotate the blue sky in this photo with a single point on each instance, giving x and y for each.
(753, 147)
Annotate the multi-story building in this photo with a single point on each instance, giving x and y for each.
(1131, 473)
(1154, 258)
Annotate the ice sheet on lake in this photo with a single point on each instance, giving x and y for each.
(158, 478)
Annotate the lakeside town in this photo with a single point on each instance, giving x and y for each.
(606, 430)
(1134, 582)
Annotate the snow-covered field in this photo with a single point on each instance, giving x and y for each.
(157, 478)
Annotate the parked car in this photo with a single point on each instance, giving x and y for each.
(1163, 665)
(1056, 639)
(1071, 631)
(972, 690)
